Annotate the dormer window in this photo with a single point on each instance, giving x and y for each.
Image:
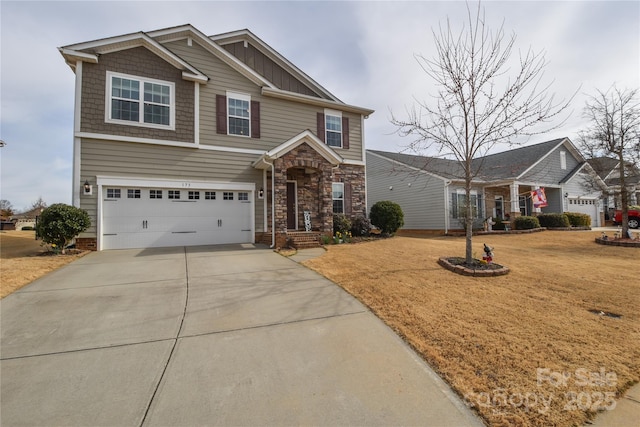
(140, 101)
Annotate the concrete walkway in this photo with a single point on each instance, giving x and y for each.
(233, 335)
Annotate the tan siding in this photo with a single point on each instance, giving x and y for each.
(280, 119)
(142, 63)
(108, 158)
(267, 68)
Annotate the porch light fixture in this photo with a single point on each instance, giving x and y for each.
(261, 193)
(566, 195)
(88, 188)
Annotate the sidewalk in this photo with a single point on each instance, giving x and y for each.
(626, 412)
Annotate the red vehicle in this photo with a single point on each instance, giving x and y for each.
(634, 218)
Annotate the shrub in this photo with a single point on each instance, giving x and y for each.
(341, 224)
(360, 226)
(387, 216)
(498, 224)
(554, 220)
(579, 219)
(59, 224)
(526, 223)
(27, 228)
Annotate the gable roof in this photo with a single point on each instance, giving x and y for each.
(307, 137)
(444, 168)
(248, 37)
(507, 165)
(90, 52)
(154, 41)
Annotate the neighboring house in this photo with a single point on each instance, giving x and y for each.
(431, 190)
(609, 172)
(184, 139)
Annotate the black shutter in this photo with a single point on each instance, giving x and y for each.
(255, 119)
(321, 126)
(221, 114)
(345, 133)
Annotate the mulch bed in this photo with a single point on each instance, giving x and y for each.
(478, 268)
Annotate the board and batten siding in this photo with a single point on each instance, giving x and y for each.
(280, 120)
(144, 161)
(548, 170)
(422, 202)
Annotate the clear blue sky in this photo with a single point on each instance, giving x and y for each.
(363, 52)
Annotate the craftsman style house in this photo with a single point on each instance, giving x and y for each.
(431, 190)
(183, 139)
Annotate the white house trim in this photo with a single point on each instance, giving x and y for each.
(181, 144)
(75, 176)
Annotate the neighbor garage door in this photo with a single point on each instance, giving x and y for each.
(585, 206)
(157, 217)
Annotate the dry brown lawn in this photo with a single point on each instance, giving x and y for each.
(23, 260)
(522, 349)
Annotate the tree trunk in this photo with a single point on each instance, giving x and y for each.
(469, 225)
(624, 199)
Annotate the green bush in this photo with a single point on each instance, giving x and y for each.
(557, 220)
(360, 226)
(27, 228)
(341, 224)
(59, 224)
(387, 216)
(498, 224)
(579, 219)
(526, 223)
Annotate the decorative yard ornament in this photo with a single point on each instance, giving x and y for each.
(488, 254)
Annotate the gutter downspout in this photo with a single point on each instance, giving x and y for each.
(273, 206)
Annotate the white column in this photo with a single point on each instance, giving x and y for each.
(515, 200)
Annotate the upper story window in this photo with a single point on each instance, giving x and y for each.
(238, 114)
(563, 160)
(333, 128)
(140, 101)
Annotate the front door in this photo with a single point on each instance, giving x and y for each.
(292, 223)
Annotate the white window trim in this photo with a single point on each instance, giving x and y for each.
(333, 113)
(241, 97)
(563, 160)
(343, 195)
(495, 213)
(140, 123)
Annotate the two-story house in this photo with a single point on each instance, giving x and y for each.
(184, 139)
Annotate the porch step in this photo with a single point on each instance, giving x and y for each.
(304, 240)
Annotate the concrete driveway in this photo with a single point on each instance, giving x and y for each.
(231, 335)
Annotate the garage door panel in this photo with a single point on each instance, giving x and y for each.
(145, 222)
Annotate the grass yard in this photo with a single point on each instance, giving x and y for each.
(522, 349)
(23, 260)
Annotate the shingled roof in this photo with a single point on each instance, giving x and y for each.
(505, 165)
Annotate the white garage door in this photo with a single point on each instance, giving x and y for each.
(157, 217)
(585, 206)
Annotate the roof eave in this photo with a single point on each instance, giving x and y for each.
(311, 100)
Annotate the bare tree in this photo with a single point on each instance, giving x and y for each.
(614, 131)
(477, 105)
(6, 208)
(38, 205)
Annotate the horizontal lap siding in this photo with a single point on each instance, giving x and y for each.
(280, 119)
(548, 171)
(142, 161)
(422, 203)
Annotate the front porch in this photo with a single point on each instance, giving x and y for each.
(300, 200)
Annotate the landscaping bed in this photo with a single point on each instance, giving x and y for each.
(551, 343)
